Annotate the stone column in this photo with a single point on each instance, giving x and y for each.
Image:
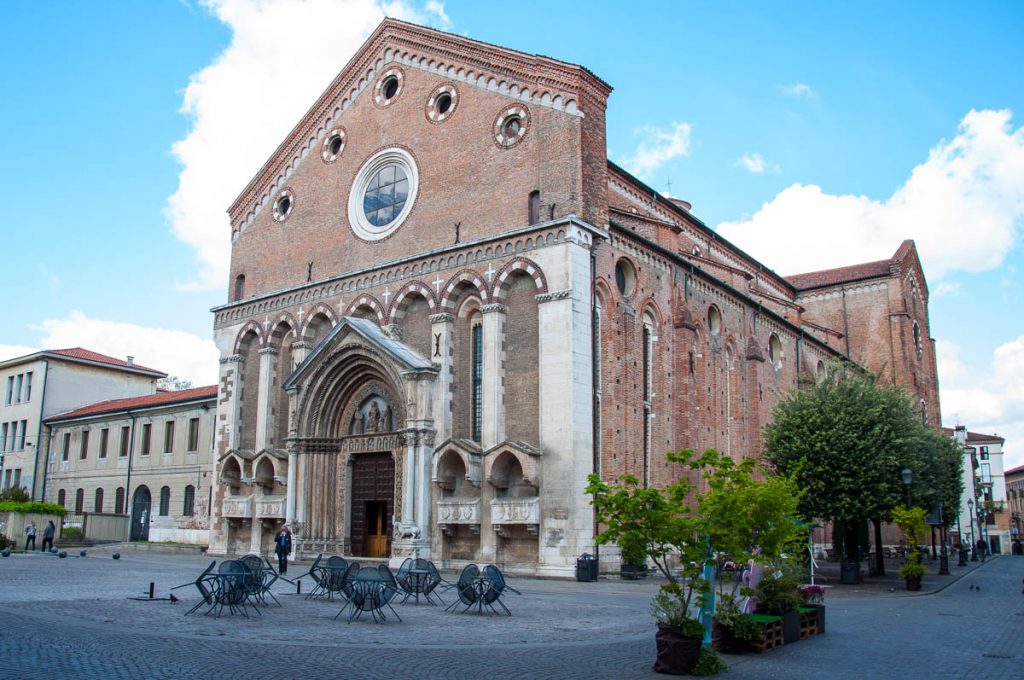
(227, 410)
(493, 430)
(268, 359)
(300, 350)
(441, 329)
(293, 462)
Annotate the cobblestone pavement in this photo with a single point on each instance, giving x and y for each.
(70, 619)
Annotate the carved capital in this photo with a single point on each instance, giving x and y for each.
(556, 295)
(493, 308)
(269, 351)
(441, 318)
(232, 359)
(301, 344)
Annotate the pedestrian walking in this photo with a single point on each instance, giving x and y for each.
(283, 548)
(30, 536)
(48, 534)
(981, 548)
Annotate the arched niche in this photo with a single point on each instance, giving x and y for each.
(264, 472)
(456, 474)
(513, 474)
(231, 474)
(372, 414)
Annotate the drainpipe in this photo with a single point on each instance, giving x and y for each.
(39, 437)
(846, 325)
(595, 406)
(128, 480)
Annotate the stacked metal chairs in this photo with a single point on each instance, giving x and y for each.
(495, 587)
(334, 578)
(433, 581)
(389, 589)
(317, 573)
(467, 589)
(370, 591)
(233, 589)
(262, 578)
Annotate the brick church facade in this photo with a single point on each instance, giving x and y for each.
(447, 307)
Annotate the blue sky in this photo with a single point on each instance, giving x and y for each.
(814, 134)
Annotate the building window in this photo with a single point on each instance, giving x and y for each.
(61, 497)
(18, 388)
(478, 381)
(83, 450)
(334, 144)
(193, 434)
(775, 352)
(66, 448)
(28, 386)
(648, 345)
(239, 286)
(3, 436)
(625, 277)
(983, 450)
(125, 436)
(383, 194)
(165, 501)
(104, 440)
(714, 320)
(98, 506)
(283, 205)
(79, 501)
(7, 479)
(10, 390)
(17, 477)
(534, 207)
(147, 437)
(169, 436)
(188, 507)
(21, 435)
(119, 500)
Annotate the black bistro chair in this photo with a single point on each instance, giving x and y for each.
(233, 588)
(494, 588)
(467, 589)
(205, 583)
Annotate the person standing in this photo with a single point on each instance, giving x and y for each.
(283, 548)
(48, 534)
(30, 536)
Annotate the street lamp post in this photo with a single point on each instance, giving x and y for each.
(908, 479)
(961, 553)
(943, 554)
(970, 521)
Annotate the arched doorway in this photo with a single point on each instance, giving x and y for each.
(142, 503)
(373, 503)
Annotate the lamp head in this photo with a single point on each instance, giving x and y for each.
(908, 476)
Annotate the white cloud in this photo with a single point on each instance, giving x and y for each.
(797, 90)
(755, 164)
(178, 353)
(15, 351)
(963, 206)
(282, 55)
(990, 402)
(945, 289)
(658, 147)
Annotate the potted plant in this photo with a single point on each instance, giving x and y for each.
(777, 594)
(634, 562)
(912, 572)
(680, 636)
(814, 597)
(733, 630)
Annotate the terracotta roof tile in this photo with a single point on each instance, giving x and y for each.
(831, 277)
(148, 401)
(89, 355)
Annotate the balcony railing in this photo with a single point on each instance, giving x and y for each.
(237, 507)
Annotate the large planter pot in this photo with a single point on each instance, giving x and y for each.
(821, 618)
(723, 640)
(913, 583)
(791, 627)
(632, 572)
(677, 655)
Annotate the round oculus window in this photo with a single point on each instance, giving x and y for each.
(283, 205)
(625, 277)
(382, 194)
(441, 103)
(388, 87)
(334, 144)
(511, 126)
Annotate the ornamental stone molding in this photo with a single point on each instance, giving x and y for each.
(515, 510)
(233, 359)
(441, 318)
(269, 350)
(556, 295)
(494, 307)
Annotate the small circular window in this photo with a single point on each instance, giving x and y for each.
(334, 144)
(283, 205)
(714, 320)
(382, 194)
(625, 277)
(388, 87)
(511, 126)
(775, 351)
(441, 103)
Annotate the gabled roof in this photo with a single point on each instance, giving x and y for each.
(856, 272)
(158, 400)
(81, 355)
(529, 77)
(402, 354)
(1014, 471)
(976, 437)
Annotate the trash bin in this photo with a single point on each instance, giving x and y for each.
(849, 572)
(586, 568)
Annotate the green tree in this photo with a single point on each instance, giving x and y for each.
(844, 440)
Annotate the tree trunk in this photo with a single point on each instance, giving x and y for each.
(879, 557)
(851, 544)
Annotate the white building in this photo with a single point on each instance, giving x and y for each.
(983, 507)
(39, 385)
(155, 450)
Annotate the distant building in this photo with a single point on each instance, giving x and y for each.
(155, 450)
(984, 490)
(39, 385)
(1015, 501)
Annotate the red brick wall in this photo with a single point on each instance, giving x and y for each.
(521, 389)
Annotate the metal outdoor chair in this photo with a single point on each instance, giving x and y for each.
(334, 579)
(402, 577)
(262, 577)
(466, 587)
(317, 573)
(495, 587)
(232, 589)
(367, 590)
(429, 586)
(205, 583)
(389, 589)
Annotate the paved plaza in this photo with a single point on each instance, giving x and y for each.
(72, 618)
